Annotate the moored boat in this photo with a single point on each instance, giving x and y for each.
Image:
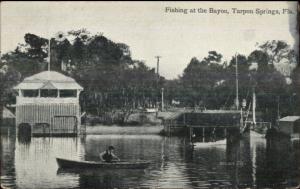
(67, 163)
(215, 144)
(255, 134)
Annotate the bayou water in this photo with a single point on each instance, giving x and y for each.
(246, 163)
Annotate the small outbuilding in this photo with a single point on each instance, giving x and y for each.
(8, 118)
(48, 104)
(290, 125)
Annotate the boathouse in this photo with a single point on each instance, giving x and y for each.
(48, 104)
(290, 125)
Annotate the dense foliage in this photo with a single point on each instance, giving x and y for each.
(113, 81)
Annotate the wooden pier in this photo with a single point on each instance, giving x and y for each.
(202, 122)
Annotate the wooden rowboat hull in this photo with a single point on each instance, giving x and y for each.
(66, 163)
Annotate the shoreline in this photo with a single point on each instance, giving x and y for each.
(123, 130)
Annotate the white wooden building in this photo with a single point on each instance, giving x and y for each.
(49, 103)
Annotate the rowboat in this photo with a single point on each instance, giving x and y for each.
(67, 163)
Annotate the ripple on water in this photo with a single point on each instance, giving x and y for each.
(174, 165)
(8, 181)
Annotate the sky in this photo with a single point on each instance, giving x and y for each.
(150, 30)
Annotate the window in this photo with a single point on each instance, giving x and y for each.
(30, 93)
(68, 93)
(49, 93)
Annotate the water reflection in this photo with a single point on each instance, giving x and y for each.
(255, 163)
(279, 166)
(35, 162)
(7, 150)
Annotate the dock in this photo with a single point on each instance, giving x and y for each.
(190, 122)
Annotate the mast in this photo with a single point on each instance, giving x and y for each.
(278, 109)
(49, 49)
(157, 81)
(237, 83)
(254, 107)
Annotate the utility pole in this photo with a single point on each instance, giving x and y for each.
(237, 103)
(157, 66)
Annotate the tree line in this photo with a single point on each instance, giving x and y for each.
(114, 81)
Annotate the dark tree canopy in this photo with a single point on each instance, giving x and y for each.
(113, 80)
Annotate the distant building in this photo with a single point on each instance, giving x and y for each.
(48, 102)
(290, 125)
(8, 118)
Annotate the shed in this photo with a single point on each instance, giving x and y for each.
(48, 102)
(290, 125)
(8, 118)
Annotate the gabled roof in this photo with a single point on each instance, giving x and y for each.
(48, 80)
(290, 118)
(48, 85)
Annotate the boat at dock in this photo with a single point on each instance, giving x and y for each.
(216, 144)
(256, 134)
(67, 163)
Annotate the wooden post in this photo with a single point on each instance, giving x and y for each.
(191, 134)
(162, 99)
(225, 132)
(76, 126)
(51, 126)
(203, 134)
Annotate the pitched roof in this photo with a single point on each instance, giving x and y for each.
(49, 76)
(48, 80)
(290, 118)
(7, 113)
(48, 85)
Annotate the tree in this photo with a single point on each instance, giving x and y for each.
(28, 58)
(281, 55)
(270, 84)
(35, 46)
(295, 98)
(260, 58)
(8, 78)
(60, 53)
(200, 79)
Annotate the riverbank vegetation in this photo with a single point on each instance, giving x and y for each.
(116, 84)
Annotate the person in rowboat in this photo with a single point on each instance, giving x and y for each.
(108, 155)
